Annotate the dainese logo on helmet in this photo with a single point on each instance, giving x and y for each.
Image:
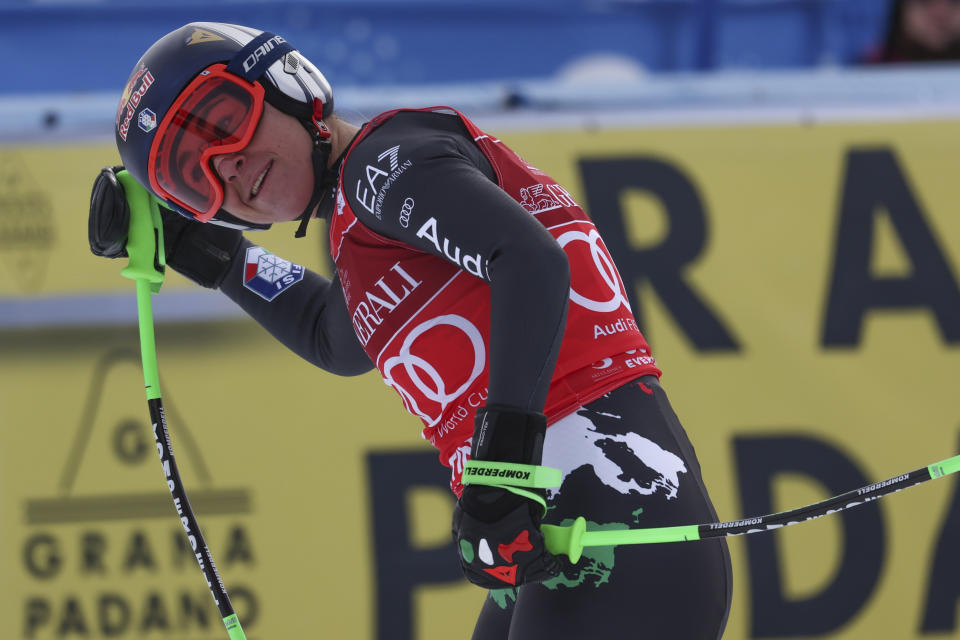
(251, 60)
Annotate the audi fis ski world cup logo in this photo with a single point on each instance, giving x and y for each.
(427, 385)
(268, 275)
(605, 268)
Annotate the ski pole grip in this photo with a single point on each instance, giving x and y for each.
(145, 236)
(566, 540)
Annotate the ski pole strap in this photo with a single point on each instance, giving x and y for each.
(510, 474)
(514, 477)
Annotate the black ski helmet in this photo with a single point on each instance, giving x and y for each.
(290, 83)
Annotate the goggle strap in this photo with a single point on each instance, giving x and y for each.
(255, 58)
(304, 221)
(324, 179)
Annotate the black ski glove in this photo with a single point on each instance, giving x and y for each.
(497, 531)
(499, 540)
(201, 252)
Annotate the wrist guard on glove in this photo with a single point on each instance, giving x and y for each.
(201, 252)
(496, 523)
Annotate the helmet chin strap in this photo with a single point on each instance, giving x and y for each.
(323, 179)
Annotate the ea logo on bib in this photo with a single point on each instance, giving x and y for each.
(268, 275)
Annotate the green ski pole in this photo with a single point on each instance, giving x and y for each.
(146, 268)
(571, 539)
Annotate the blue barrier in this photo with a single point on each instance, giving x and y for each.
(82, 45)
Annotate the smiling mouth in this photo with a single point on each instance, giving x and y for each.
(259, 181)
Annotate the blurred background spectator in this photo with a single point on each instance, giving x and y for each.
(921, 31)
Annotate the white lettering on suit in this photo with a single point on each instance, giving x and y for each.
(367, 194)
(379, 302)
(473, 264)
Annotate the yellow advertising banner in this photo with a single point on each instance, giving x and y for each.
(798, 284)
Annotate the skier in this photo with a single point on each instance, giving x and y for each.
(473, 282)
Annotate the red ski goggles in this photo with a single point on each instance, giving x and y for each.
(216, 114)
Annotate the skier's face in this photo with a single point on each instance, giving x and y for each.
(271, 179)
